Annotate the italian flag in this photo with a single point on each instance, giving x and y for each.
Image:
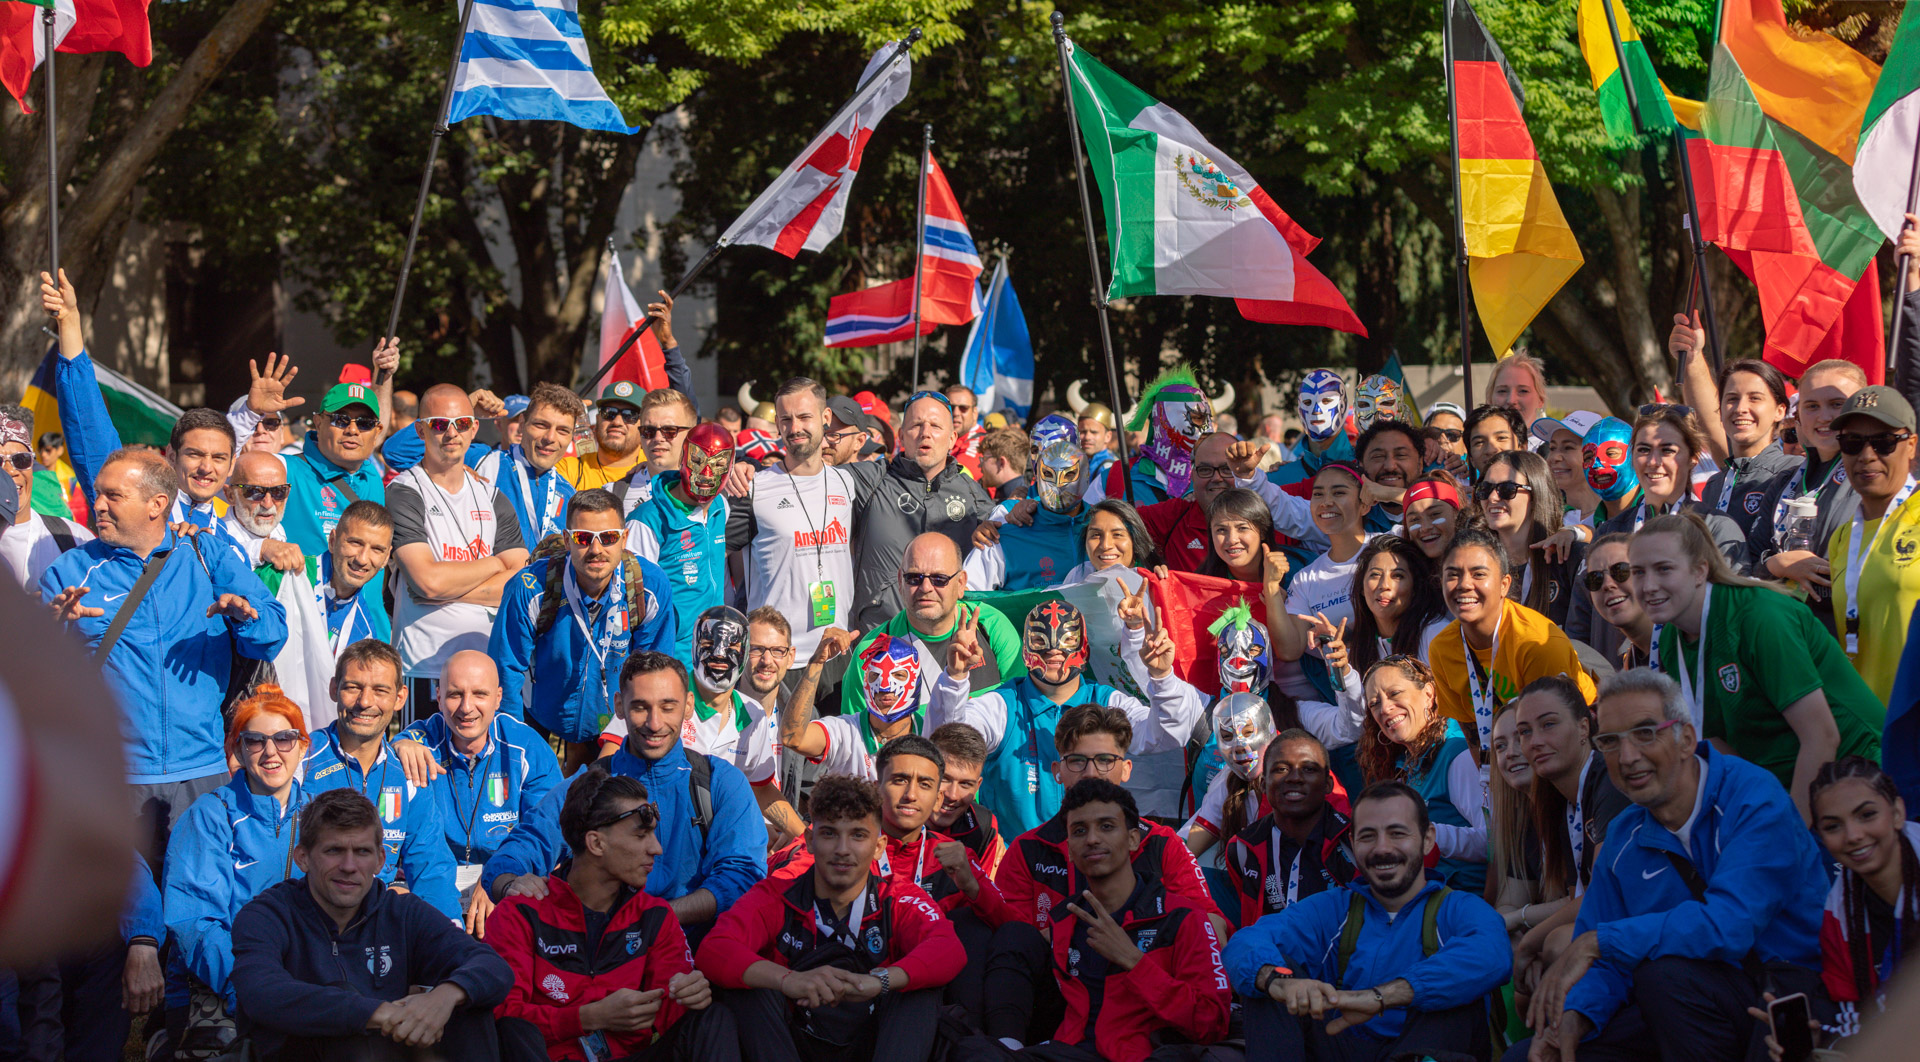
(1660, 110)
(1184, 219)
(1884, 166)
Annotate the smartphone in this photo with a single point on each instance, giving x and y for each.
(1790, 1015)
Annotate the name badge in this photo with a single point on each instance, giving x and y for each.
(820, 599)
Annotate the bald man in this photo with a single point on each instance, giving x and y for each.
(485, 769)
(456, 542)
(927, 621)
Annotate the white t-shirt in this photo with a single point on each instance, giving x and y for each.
(28, 547)
(473, 522)
(846, 751)
(753, 748)
(804, 535)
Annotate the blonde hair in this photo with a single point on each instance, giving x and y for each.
(1845, 368)
(1696, 541)
(1518, 360)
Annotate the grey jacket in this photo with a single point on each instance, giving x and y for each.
(896, 504)
(1754, 478)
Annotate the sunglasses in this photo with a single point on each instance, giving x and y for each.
(669, 432)
(343, 421)
(649, 818)
(1507, 490)
(256, 494)
(440, 425)
(935, 395)
(1883, 443)
(1790, 436)
(1452, 435)
(1654, 407)
(20, 462)
(583, 538)
(914, 579)
(284, 741)
(271, 423)
(626, 413)
(1619, 573)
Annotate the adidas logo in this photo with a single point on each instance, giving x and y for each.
(785, 503)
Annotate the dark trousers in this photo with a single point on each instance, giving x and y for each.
(1022, 1002)
(71, 1010)
(968, 989)
(699, 1036)
(902, 1029)
(1693, 1010)
(1457, 1035)
(986, 1049)
(157, 806)
(469, 1037)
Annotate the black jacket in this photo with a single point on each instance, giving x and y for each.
(899, 505)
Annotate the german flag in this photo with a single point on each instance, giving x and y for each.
(1519, 247)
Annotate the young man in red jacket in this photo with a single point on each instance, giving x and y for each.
(1135, 962)
(960, 816)
(837, 962)
(1036, 877)
(600, 968)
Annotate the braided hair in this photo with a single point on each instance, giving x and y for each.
(1854, 887)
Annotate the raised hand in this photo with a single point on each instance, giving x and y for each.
(1104, 935)
(386, 359)
(61, 304)
(1158, 653)
(1333, 645)
(1687, 336)
(662, 314)
(1245, 456)
(964, 652)
(267, 389)
(486, 403)
(67, 607)
(1133, 606)
(833, 642)
(958, 863)
(1273, 571)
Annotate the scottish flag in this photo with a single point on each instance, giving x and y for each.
(998, 363)
(527, 59)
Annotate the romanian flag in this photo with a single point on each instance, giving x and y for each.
(139, 415)
(1660, 109)
(1774, 168)
(1520, 248)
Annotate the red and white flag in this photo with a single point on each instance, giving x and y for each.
(949, 281)
(644, 363)
(79, 27)
(804, 207)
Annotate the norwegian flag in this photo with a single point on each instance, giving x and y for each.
(644, 363)
(949, 281)
(804, 207)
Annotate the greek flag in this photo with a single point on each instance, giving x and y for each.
(527, 59)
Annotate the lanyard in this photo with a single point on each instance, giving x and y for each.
(826, 510)
(1694, 687)
(1282, 900)
(847, 932)
(572, 589)
(1480, 681)
(346, 623)
(1576, 819)
(1853, 558)
(473, 806)
(542, 516)
(1726, 485)
(1640, 514)
(919, 861)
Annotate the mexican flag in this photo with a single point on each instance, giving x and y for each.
(1884, 166)
(23, 41)
(1660, 109)
(1185, 219)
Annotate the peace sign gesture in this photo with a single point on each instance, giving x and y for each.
(1133, 606)
(1333, 642)
(267, 393)
(1104, 935)
(963, 649)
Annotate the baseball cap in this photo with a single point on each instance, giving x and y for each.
(848, 412)
(625, 392)
(354, 372)
(516, 404)
(875, 408)
(342, 395)
(1578, 422)
(1880, 403)
(1445, 407)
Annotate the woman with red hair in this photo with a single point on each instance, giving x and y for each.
(229, 847)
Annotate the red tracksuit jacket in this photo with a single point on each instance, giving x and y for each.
(556, 970)
(775, 921)
(1035, 875)
(1179, 985)
(898, 862)
(1324, 862)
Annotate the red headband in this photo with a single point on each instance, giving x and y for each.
(1432, 488)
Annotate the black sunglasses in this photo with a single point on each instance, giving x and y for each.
(254, 494)
(670, 432)
(619, 413)
(914, 579)
(1452, 435)
(284, 741)
(271, 423)
(1619, 573)
(1507, 490)
(1790, 436)
(1883, 443)
(20, 461)
(342, 421)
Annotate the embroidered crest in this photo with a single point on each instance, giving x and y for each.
(623, 389)
(1208, 186)
(1730, 678)
(1905, 548)
(380, 960)
(389, 805)
(956, 508)
(874, 943)
(633, 942)
(1553, 591)
(1753, 501)
(496, 791)
(554, 987)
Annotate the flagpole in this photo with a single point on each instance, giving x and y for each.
(1903, 263)
(426, 174)
(53, 151)
(1080, 177)
(920, 245)
(1684, 166)
(1459, 214)
(1626, 75)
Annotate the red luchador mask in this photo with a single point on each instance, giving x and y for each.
(705, 456)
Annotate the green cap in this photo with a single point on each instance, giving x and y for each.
(624, 391)
(1883, 404)
(340, 396)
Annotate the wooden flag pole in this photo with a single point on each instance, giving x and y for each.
(1080, 177)
(920, 246)
(53, 151)
(1459, 214)
(1902, 264)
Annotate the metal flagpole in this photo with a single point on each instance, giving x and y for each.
(1902, 264)
(426, 174)
(920, 245)
(53, 151)
(1459, 214)
(1080, 177)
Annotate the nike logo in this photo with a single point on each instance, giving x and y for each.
(116, 597)
(245, 865)
(1649, 875)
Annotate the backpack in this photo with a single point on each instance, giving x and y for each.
(700, 788)
(1357, 918)
(554, 596)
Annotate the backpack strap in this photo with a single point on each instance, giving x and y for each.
(57, 530)
(553, 595)
(1349, 936)
(700, 787)
(1430, 923)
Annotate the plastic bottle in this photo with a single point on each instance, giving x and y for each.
(1802, 514)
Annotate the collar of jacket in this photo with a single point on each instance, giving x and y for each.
(904, 468)
(122, 553)
(1359, 885)
(322, 466)
(632, 764)
(308, 907)
(260, 807)
(1663, 839)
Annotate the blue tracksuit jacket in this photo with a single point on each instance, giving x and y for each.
(692, 554)
(481, 799)
(415, 839)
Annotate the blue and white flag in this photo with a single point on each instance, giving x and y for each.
(527, 59)
(998, 363)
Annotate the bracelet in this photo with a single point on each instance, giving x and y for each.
(1379, 1000)
(1523, 916)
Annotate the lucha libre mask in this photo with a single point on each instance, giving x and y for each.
(890, 672)
(1377, 399)
(1051, 428)
(1245, 651)
(1055, 625)
(1606, 449)
(705, 456)
(1323, 404)
(1182, 416)
(719, 649)
(1060, 476)
(1244, 725)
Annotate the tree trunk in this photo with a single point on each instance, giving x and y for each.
(1643, 351)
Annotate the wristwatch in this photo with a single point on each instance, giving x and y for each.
(1264, 983)
(885, 978)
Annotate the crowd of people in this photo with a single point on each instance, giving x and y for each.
(844, 728)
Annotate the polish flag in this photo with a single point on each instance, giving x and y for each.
(644, 363)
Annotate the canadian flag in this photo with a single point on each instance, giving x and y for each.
(644, 363)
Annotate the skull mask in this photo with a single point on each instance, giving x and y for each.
(1323, 404)
(1054, 626)
(1244, 726)
(890, 673)
(720, 648)
(705, 456)
(1606, 449)
(1060, 476)
(1377, 399)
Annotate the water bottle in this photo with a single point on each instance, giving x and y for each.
(1802, 513)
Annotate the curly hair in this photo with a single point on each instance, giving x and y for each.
(1377, 752)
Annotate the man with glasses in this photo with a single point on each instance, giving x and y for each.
(1017, 718)
(1873, 551)
(847, 427)
(1708, 886)
(34, 539)
(616, 437)
(666, 416)
(922, 489)
(966, 427)
(567, 621)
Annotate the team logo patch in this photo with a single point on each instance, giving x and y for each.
(874, 943)
(1905, 549)
(633, 942)
(380, 960)
(1730, 678)
(956, 508)
(389, 805)
(497, 791)
(623, 389)
(1553, 591)
(554, 987)
(1753, 502)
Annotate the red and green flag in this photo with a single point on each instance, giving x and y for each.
(1660, 109)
